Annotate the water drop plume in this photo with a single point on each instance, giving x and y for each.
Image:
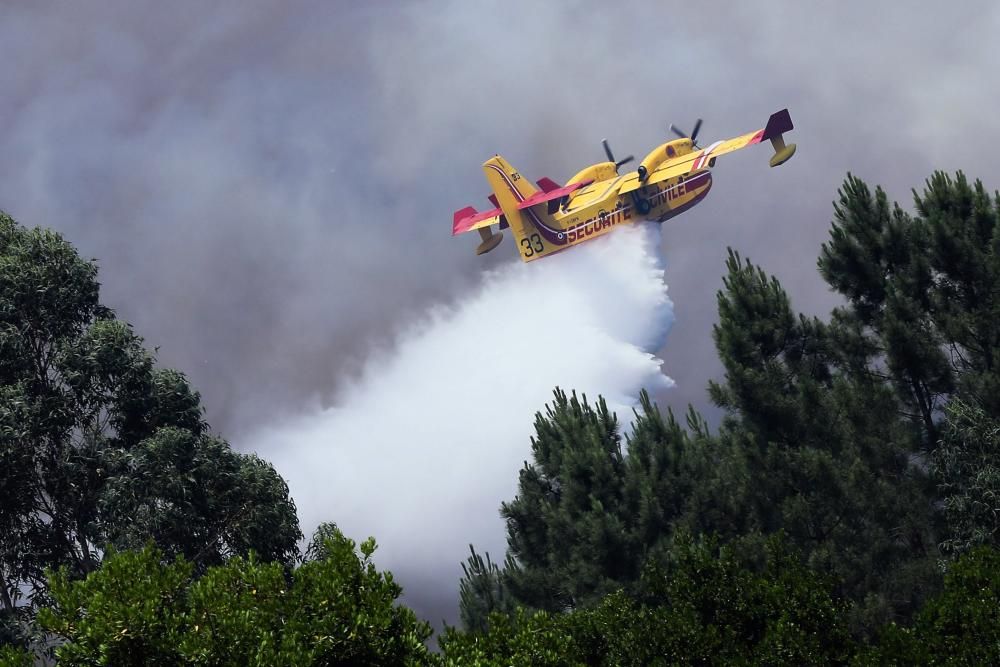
(423, 446)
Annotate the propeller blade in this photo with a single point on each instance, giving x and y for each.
(694, 133)
(611, 156)
(673, 128)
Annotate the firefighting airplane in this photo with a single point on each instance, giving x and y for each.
(671, 179)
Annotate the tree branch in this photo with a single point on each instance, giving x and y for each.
(8, 604)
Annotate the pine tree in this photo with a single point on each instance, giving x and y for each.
(706, 605)
(815, 452)
(963, 225)
(966, 466)
(588, 512)
(483, 591)
(831, 426)
(923, 315)
(563, 528)
(923, 291)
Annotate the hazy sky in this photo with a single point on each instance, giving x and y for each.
(268, 187)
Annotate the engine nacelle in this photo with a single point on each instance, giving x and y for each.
(601, 171)
(658, 155)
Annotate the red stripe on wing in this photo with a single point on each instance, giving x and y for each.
(543, 196)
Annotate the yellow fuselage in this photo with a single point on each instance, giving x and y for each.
(598, 208)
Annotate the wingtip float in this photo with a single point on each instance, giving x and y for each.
(548, 218)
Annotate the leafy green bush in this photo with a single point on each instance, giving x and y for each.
(334, 609)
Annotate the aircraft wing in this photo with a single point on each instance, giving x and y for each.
(468, 219)
(777, 124)
(661, 173)
(543, 196)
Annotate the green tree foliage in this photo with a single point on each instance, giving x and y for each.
(587, 512)
(522, 638)
(11, 656)
(564, 527)
(960, 626)
(923, 297)
(482, 591)
(817, 451)
(829, 424)
(703, 605)
(336, 608)
(876, 258)
(99, 448)
(128, 611)
(196, 497)
(828, 427)
(966, 465)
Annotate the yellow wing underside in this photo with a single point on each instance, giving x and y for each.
(483, 223)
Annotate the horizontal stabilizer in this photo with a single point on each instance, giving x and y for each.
(547, 184)
(543, 196)
(468, 219)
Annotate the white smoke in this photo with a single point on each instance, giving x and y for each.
(421, 450)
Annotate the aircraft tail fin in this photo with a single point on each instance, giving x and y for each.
(779, 123)
(533, 229)
(509, 188)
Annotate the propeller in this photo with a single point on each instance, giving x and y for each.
(694, 132)
(611, 156)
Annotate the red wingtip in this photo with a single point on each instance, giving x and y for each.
(460, 215)
(468, 217)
